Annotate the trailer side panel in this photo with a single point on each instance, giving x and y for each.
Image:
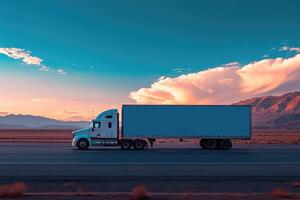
(186, 121)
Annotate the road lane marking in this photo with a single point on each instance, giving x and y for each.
(159, 163)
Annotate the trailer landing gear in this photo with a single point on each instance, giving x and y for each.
(213, 144)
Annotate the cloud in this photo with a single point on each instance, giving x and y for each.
(287, 48)
(72, 112)
(181, 69)
(42, 100)
(79, 118)
(17, 53)
(44, 68)
(4, 113)
(76, 114)
(61, 72)
(27, 58)
(232, 64)
(225, 84)
(30, 60)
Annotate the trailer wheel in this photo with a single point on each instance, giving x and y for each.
(126, 144)
(139, 144)
(83, 144)
(211, 144)
(202, 143)
(225, 144)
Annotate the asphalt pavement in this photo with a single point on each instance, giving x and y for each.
(164, 160)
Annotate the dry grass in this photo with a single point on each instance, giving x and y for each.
(36, 135)
(296, 184)
(139, 192)
(81, 192)
(272, 137)
(280, 193)
(13, 190)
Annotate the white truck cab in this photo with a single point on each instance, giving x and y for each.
(103, 130)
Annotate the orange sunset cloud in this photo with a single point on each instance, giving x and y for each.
(225, 84)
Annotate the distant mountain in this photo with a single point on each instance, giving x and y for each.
(279, 112)
(30, 121)
(12, 126)
(275, 111)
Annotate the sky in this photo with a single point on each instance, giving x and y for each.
(71, 59)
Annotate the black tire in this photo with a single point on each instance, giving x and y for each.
(211, 144)
(225, 144)
(139, 144)
(126, 144)
(83, 144)
(202, 143)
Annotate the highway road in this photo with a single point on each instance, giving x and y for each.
(60, 160)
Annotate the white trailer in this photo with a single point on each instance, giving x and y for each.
(213, 125)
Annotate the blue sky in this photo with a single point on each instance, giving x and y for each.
(110, 48)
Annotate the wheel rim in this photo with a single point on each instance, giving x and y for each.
(139, 145)
(211, 144)
(82, 144)
(126, 145)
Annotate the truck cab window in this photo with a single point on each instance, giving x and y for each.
(96, 125)
(109, 124)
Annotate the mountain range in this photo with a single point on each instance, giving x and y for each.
(30, 121)
(275, 112)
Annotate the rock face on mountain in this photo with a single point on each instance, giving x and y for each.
(275, 111)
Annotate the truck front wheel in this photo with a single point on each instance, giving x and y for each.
(126, 144)
(83, 144)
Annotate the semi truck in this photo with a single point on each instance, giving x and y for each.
(141, 125)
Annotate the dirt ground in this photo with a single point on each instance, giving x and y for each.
(65, 136)
(158, 197)
(153, 190)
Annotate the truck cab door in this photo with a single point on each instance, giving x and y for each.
(96, 131)
(109, 127)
